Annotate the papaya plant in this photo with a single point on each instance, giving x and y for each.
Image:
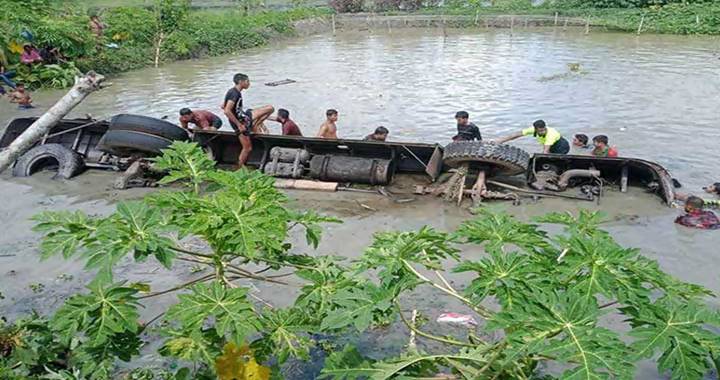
(544, 301)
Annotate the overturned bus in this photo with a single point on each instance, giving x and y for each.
(126, 141)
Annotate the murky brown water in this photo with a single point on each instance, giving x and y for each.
(657, 97)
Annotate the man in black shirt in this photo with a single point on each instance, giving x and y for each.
(244, 121)
(467, 131)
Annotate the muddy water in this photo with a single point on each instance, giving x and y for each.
(655, 96)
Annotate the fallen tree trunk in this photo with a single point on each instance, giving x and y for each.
(82, 88)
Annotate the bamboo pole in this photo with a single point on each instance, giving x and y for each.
(642, 21)
(477, 16)
(587, 25)
(333, 24)
(42, 126)
(565, 25)
(512, 24)
(556, 18)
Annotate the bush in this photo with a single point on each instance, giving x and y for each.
(347, 6)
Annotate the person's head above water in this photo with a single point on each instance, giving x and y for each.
(242, 81)
(694, 203)
(540, 127)
(713, 189)
(332, 115)
(580, 140)
(186, 114)
(600, 141)
(283, 115)
(20, 86)
(381, 133)
(462, 117)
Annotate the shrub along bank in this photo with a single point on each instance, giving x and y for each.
(658, 16)
(133, 37)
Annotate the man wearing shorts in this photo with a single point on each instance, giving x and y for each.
(243, 122)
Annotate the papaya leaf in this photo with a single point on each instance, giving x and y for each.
(65, 232)
(584, 224)
(497, 230)
(347, 364)
(325, 279)
(511, 278)
(227, 309)
(196, 345)
(680, 331)
(563, 327)
(284, 335)
(184, 161)
(98, 315)
(391, 253)
(359, 307)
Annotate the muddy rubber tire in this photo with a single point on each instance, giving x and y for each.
(69, 163)
(149, 125)
(501, 159)
(128, 143)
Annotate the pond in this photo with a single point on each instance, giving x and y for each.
(656, 97)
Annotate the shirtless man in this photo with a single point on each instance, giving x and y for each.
(328, 129)
(243, 122)
(21, 97)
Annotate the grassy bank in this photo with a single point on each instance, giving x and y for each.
(669, 19)
(134, 37)
(673, 17)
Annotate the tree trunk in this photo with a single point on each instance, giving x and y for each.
(82, 88)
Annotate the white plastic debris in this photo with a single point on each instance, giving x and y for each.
(457, 319)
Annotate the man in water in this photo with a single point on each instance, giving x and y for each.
(549, 138)
(602, 149)
(243, 122)
(580, 141)
(328, 129)
(21, 97)
(289, 128)
(467, 131)
(381, 133)
(203, 119)
(713, 189)
(696, 216)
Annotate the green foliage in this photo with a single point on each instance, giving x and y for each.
(545, 300)
(226, 310)
(185, 162)
(134, 33)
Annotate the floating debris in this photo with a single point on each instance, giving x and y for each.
(280, 82)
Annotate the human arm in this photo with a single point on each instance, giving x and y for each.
(273, 118)
(509, 138)
(478, 135)
(183, 124)
(323, 130)
(546, 148)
